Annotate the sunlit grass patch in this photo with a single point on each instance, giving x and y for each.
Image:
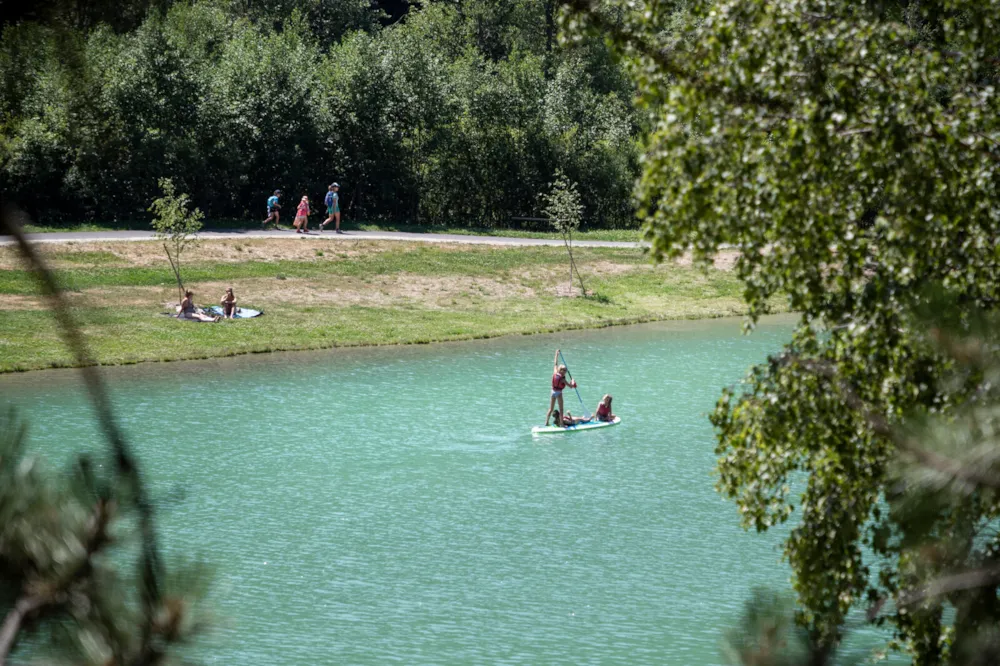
(358, 294)
(86, 257)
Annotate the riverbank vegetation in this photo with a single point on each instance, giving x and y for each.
(436, 113)
(324, 293)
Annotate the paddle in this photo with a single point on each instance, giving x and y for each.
(570, 374)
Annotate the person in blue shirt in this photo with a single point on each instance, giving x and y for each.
(272, 209)
(332, 208)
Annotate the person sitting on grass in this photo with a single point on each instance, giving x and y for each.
(302, 217)
(273, 209)
(187, 310)
(229, 304)
(558, 384)
(603, 411)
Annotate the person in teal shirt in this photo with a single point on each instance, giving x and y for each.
(273, 208)
(332, 202)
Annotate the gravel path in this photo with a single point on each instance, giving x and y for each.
(234, 234)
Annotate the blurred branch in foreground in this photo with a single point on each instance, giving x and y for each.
(942, 520)
(54, 537)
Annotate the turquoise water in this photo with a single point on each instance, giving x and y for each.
(390, 506)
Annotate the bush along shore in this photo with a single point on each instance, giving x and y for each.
(320, 293)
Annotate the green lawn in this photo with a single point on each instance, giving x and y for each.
(325, 297)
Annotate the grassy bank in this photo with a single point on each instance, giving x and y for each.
(625, 235)
(321, 293)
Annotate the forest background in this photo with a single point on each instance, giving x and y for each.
(450, 113)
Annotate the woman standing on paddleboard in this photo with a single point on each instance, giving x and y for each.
(558, 384)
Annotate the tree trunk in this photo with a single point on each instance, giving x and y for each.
(12, 622)
(568, 239)
(176, 268)
(550, 36)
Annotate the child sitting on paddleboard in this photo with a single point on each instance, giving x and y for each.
(568, 419)
(558, 384)
(603, 411)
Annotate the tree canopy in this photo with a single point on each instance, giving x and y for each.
(450, 113)
(850, 151)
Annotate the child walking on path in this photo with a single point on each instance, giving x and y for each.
(332, 208)
(302, 217)
(272, 209)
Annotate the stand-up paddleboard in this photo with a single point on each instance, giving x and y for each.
(591, 425)
(241, 313)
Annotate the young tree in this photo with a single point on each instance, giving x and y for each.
(176, 226)
(849, 151)
(564, 210)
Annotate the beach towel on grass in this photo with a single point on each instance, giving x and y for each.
(241, 313)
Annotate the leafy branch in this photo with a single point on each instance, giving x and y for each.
(34, 510)
(175, 226)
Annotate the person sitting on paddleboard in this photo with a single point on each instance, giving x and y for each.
(558, 384)
(603, 411)
(568, 419)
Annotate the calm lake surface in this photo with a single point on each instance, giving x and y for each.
(390, 506)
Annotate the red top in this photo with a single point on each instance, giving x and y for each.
(558, 382)
(303, 208)
(603, 412)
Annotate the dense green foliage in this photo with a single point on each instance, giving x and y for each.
(850, 151)
(454, 114)
(945, 485)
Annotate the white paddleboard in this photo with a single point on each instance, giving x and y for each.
(590, 425)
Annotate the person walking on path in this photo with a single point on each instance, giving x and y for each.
(302, 217)
(558, 384)
(272, 209)
(332, 208)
